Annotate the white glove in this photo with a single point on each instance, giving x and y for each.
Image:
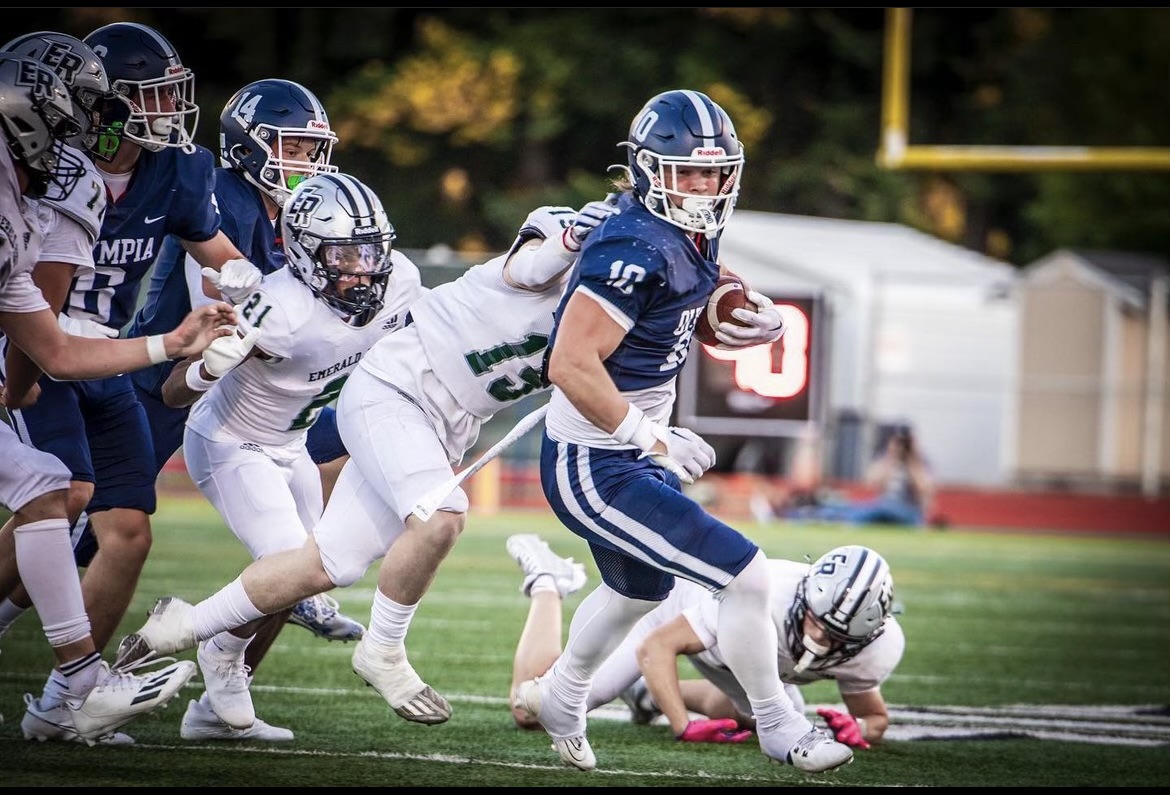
(84, 327)
(236, 279)
(766, 324)
(226, 352)
(687, 454)
(589, 218)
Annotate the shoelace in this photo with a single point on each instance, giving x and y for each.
(124, 678)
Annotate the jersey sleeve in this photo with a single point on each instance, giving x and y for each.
(276, 316)
(66, 240)
(196, 216)
(622, 275)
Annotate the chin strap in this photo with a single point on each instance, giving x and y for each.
(812, 650)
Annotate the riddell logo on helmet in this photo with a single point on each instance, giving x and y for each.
(315, 124)
(718, 151)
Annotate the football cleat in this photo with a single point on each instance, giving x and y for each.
(120, 696)
(46, 724)
(201, 723)
(818, 752)
(395, 680)
(574, 750)
(169, 629)
(643, 710)
(319, 615)
(226, 678)
(535, 558)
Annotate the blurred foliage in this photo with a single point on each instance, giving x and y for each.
(465, 118)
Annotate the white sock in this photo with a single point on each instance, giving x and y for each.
(9, 612)
(543, 582)
(389, 620)
(227, 608)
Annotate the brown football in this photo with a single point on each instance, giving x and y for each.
(730, 293)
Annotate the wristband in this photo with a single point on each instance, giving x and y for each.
(635, 429)
(861, 726)
(156, 349)
(195, 379)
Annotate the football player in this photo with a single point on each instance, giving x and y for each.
(36, 116)
(408, 414)
(157, 182)
(273, 135)
(833, 619)
(304, 330)
(612, 467)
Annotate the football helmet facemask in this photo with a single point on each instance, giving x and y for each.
(337, 240)
(684, 129)
(146, 71)
(80, 70)
(850, 593)
(257, 123)
(36, 116)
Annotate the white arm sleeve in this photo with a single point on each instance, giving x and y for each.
(535, 267)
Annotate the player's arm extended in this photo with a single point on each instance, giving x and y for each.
(869, 709)
(191, 378)
(658, 659)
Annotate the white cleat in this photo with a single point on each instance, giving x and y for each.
(55, 724)
(574, 750)
(201, 723)
(226, 679)
(120, 697)
(395, 680)
(169, 629)
(818, 752)
(535, 558)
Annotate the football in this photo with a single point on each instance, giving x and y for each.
(730, 293)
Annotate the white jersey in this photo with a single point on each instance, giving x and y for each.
(273, 402)
(86, 206)
(865, 671)
(483, 339)
(20, 243)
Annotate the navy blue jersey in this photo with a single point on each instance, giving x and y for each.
(244, 219)
(653, 275)
(169, 193)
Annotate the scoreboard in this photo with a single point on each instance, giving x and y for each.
(765, 390)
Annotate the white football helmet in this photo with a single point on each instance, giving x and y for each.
(850, 592)
(334, 230)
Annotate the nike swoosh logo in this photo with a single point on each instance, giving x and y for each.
(150, 220)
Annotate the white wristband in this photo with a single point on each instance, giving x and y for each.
(195, 378)
(156, 349)
(861, 727)
(635, 429)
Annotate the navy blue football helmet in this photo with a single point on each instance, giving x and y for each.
(259, 120)
(80, 70)
(36, 117)
(684, 129)
(334, 228)
(144, 68)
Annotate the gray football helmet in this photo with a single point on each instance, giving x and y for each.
(334, 228)
(36, 117)
(850, 592)
(80, 70)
